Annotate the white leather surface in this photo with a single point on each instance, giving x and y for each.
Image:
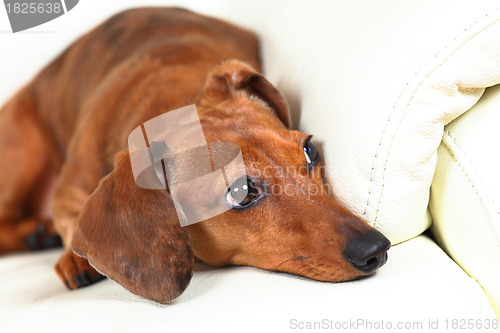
(465, 193)
(418, 284)
(376, 87)
(374, 81)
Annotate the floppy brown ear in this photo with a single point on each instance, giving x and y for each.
(236, 76)
(132, 235)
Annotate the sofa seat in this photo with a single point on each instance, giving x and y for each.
(375, 83)
(419, 284)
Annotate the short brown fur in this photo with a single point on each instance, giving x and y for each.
(64, 159)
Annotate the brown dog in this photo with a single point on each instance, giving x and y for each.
(64, 159)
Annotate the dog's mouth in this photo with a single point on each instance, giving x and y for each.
(365, 263)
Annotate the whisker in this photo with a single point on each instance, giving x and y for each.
(301, 268)
(312, 268)
(300, 258)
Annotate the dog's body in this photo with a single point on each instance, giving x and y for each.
(64, 159)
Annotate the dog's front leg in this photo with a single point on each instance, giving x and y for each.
(79, 178)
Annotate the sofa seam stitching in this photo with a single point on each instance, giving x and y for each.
(407, 107)
(474, 187)
(481, 182)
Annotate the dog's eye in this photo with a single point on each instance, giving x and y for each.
(312, 155)
(242, 193)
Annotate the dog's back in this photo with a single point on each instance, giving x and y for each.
(122, 48)
(77, 112)
(60, 135)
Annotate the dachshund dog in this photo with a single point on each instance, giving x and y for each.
(65, 168)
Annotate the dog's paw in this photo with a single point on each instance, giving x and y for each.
(43, 237)
(76, 271)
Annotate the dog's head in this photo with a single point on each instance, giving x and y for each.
(284, 221)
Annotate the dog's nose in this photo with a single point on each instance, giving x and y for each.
(368, 251)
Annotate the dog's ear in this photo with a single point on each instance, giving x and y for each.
(235, 76)
(132, 235)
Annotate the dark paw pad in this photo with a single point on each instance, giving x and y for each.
(40, 239)
(67, 285)
(85, 279)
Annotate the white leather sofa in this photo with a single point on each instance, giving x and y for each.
(397, 94)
